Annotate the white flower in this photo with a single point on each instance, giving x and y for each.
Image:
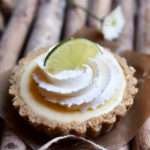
(113, 24)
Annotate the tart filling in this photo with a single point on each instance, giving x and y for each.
(83, 88)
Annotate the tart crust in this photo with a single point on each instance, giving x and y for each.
(89, 128)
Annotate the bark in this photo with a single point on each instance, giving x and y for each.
(124, 147)
(142, 139)
(48, 24)
(75, 18)
(100, 8)
(10, 46)
(15, 33)
(11, 141)
(125, 39)
(143, 27)
(1, 24)
(5, 7)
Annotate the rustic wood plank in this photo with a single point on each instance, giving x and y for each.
(100, 8)
(15, 33)
(75, 18)
(48, 24)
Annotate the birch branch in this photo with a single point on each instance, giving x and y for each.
(142, 139)
(15, 33)
(126, 37)
(100, 8)
(48, 24)
(11, 141)
(5, 7)
(124, 147)
(143, 27)
(10, 46)
(75, 18)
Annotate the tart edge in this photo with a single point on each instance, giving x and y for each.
(89, 128)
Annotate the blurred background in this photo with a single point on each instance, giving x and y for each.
(27, 25)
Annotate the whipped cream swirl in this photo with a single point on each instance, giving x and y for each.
(81, 89)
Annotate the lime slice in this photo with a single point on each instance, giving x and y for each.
(71, 54)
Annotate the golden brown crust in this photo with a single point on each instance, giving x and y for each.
(92, 127)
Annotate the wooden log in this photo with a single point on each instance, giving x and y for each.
(124, 147)
(125, 39)
(5, 8)
(11, 141)
(15, 33)
(142, 139)
(100, 8)
(48, 24)
(143, 27)
(1, 23)
(10, 46)
(75, 18)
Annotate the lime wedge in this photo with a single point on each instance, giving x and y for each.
(71, 54)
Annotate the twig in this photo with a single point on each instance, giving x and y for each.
(72, 4)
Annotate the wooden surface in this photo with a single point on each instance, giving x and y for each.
(35, 23)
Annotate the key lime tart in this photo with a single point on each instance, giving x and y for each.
(76, 87)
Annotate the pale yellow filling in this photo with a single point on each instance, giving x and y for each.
(40, 106)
